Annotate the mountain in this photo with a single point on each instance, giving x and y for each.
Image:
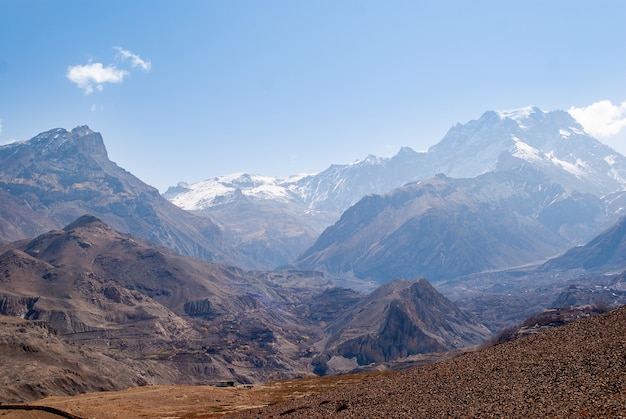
(189, 320)
(164, 318)
(551, 143)
(607, 251)
(572, 371)
(59, 175)
(399, 319)
(591, 274)
(35, 360)
(258, 215)
(442, 228)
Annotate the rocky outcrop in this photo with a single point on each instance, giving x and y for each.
(16, 306)
(198, 308)
(399, 319)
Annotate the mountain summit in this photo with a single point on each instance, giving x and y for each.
(59, 175)
(551, 145)
(553, 142)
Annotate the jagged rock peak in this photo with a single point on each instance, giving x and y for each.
(60, 140)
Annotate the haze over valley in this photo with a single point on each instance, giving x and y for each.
(367, 266)
(312, 209)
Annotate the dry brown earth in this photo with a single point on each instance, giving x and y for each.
(577, 371)
(193, 401)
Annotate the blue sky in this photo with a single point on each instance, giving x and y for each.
(188, 90)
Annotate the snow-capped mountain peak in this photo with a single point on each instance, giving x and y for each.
(553, 142)
(224, 189)
(519, 114)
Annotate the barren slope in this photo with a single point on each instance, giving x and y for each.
(574, 371)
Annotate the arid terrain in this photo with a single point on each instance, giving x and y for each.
(193, 401)
(576, 370)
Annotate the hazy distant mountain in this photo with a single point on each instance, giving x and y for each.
(442, 228)
(607, 252)
(552, 143)
(259, 216)
(59, 175)
(588, 274)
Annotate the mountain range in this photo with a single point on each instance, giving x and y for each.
(506, 216)
(584, 178)
(57, 176)
(164, 318)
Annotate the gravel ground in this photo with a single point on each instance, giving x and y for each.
(576, 371)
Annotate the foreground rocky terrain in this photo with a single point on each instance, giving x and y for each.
(571, 371)
(574, 371)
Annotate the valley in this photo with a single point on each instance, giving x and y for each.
(288, 287)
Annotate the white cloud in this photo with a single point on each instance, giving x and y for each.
(601, 119)
(0, 126)
(135, 59)
(95, 75)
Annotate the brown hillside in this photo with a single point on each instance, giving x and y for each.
(577, 370)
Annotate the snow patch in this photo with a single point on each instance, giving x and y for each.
(577, 131)
(525, 151)
(577, 169)
(371, 159)
(517, 114)
(224, 189)
(610, 160)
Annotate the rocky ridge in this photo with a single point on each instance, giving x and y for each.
(59, 175)
(174, 320)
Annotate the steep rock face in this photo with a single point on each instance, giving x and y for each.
(59, 175)
(198, 307)
(399, 319)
